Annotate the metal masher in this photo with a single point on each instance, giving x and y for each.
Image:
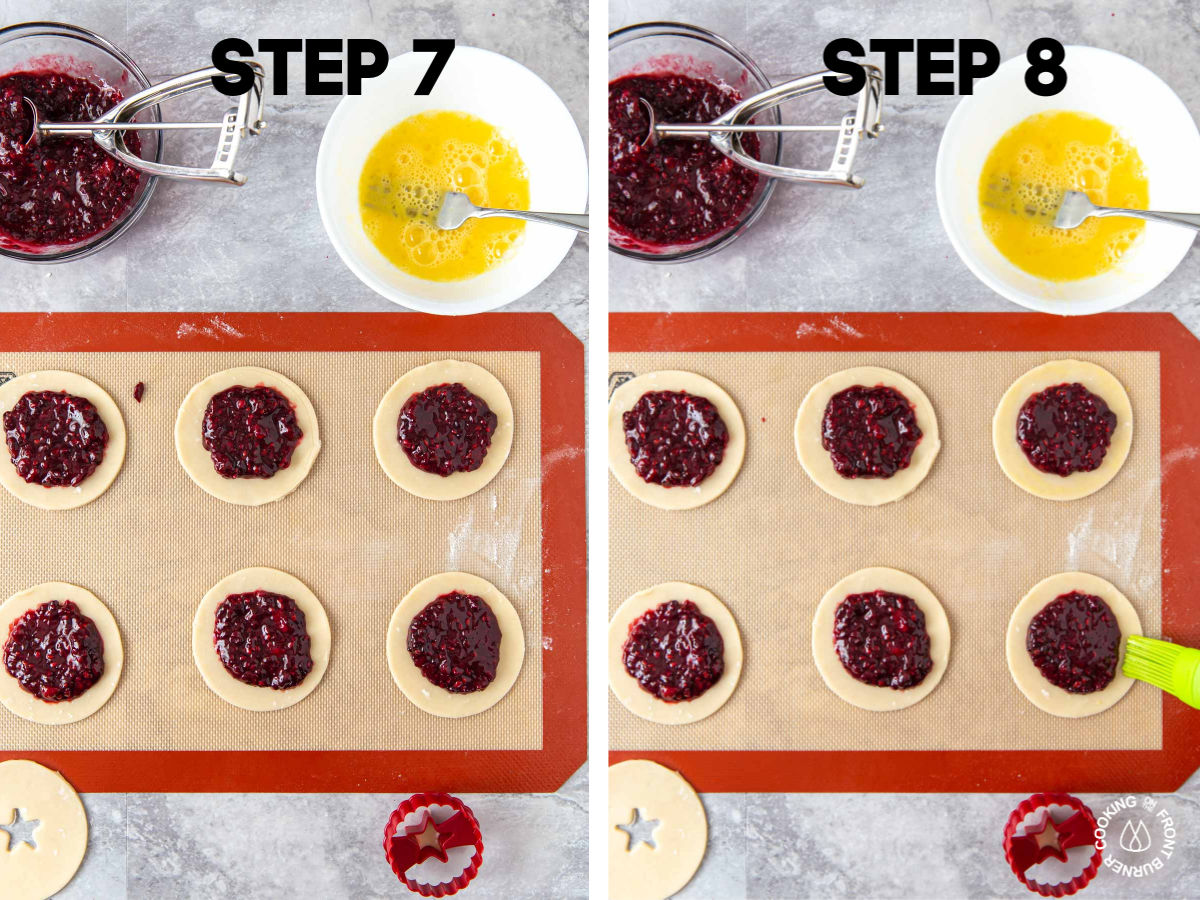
(110, 129)
(725, 132)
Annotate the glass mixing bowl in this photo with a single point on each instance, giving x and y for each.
(87, 55)
(688, 50)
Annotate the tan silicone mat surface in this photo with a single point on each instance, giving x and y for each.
(774, 543)
(155, 543)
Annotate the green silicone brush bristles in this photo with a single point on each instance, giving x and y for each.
(1168, 666)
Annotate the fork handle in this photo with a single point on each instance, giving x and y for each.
(575, 221)
(1190, 220)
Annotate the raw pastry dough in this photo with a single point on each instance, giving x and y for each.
(641, 702)
(480, 382)
(35, 873)
(197, 462)
(1012, 458)
(204, 651)
(1040, 692)
(829, 664)
(624, 398)
(98, 482)
(864, 491)
(416, 686)
(27, 706)
(643, 872)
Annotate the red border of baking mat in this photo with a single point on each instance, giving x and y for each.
(564, 551)
(1088, 771)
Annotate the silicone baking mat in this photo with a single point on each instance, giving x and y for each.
(774, 543)
(155, 543)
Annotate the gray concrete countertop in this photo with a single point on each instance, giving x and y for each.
(883, 248)
(262, 248)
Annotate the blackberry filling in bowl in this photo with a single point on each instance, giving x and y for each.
(63, 198)
(682, 199)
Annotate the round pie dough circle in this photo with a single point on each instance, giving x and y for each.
(480, 382)
(864, 491)
(35, 873)
(212, 670)
(1012, 458)
(623, 400)
(1040, 692)
(829, 664)
(641, 702)
(415, 686)
(114, 453)
(25, 704)
(197, 462)
(681, 837)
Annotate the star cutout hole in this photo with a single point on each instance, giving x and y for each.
(20, 831)
(639, 830)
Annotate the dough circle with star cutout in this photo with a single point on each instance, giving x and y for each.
(41, 794)
(642, 790)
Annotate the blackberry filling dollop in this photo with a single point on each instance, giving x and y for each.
(675, 439)
(262, 639)
(54, 651)
(455, 642)
(1075, 642)
(446, 429)
(677, 191)
(869, 432)
(55, 439)
(880, 638)
(1064, 429)
(64, 190)
(250, 432)
(674, 651)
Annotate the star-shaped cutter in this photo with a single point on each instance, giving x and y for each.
(411, 845)
(1036, 846)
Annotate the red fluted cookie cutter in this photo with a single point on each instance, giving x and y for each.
(426, 838)
(1024, 851)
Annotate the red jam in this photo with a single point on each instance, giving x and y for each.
(139, 390)
(1074, 642)
(446, 429)
(674, 438)
(54, 651)
(262, 639)
(58, 190)
(674, 651)
(881, 639)
(1065, 429)
(869, 432)
(455, 642)
(55, 439)
(679, 191)
(250, 432)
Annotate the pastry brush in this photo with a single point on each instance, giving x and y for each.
(1168, 666)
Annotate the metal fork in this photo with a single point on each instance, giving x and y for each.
(457, 208)
(1076, 207)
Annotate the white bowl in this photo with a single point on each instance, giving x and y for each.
(503, 93)
(1123, 93)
